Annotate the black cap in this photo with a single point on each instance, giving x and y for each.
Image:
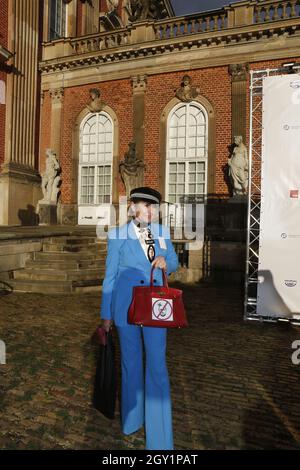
(145, 193)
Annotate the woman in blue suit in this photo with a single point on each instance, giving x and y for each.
(132, 250)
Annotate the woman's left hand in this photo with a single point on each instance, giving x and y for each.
(159, 262)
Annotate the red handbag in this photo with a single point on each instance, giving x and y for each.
(157, 305)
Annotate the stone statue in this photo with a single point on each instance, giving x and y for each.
(95, 105)
(139, 10)
(51, 179)
(186, 92)
(238, 167)
(112, 5)
(131, 169)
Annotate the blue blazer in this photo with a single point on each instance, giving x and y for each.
(127, 266)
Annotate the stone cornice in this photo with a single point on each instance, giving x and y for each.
(224, 38)
(184, 60)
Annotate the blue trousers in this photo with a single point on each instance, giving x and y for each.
(146, 401)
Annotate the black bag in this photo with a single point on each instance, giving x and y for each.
(105, 390)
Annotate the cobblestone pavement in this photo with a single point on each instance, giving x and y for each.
(233, 383)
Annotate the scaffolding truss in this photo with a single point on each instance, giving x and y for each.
(254, 192)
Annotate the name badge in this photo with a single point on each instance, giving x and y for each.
(162, 243)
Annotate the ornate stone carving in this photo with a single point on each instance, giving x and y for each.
(131, 169)
(112, 5)
(56, 94)
(238, 168)
(139, 10)
(139, 83)
(238, 72)
(51, 179)
(186, 92)
(95, 105)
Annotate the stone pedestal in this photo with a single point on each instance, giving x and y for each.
(47, 214)
(20, 190)
(67, 214)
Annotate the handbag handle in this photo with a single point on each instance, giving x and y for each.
(165, 280)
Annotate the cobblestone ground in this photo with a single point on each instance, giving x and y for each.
(233, 383)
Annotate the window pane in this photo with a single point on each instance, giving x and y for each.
(188, 146)
(200, 188)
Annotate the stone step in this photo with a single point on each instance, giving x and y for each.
(49, 287)
(62, 255)
(64, 264)
(93, 248)
(87, 286)
(55, 275)
(73, 240)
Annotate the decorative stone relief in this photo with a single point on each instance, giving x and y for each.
(56, 94)
(131, 169)
(186, 92)
(95, 105)
(238, 72)
(139, 83)
(139, 10)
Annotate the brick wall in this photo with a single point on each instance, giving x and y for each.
(116, 94)
(215, 86)
(3, 42)
(160, 90)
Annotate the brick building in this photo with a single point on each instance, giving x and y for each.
(135, 55)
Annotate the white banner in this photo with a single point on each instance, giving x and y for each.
(278, 292)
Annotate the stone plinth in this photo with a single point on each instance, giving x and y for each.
(47, 214)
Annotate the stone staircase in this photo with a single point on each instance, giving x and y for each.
(65, 264)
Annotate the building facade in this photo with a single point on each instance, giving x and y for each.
(102, 83)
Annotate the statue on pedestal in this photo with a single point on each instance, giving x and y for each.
(186, 92)
(131, 169)
(51, 179)
(47, 207)
(238, 168)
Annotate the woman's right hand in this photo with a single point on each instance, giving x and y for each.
(106, 325)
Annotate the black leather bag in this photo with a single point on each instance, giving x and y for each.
(105, 389)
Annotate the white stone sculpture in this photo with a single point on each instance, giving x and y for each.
(238, 167)
(50, 179)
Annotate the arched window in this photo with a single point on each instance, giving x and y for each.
(95, 159)
(187, 140)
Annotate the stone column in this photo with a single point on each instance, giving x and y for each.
(56, 111)
(20, 182)
(139, 85)
(239, 90)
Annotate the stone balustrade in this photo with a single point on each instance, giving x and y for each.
(157, 33)
(272, 11)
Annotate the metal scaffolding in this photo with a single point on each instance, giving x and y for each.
(254, 192)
